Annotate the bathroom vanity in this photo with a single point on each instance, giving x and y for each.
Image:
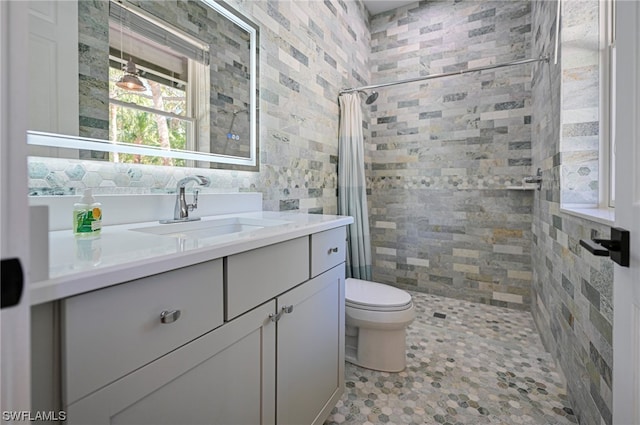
(246, 326)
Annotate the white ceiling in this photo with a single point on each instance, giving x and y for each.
(379, 6)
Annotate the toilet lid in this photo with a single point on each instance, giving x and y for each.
(376, 296)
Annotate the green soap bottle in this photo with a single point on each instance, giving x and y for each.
(87, 215)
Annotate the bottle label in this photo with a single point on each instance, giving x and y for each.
(96, 215)
(88, 221)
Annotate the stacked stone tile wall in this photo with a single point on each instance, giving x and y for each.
(229, 98)
(309, 50)
(572, 290)
(443, 151)
(580, 136)
(93, 42)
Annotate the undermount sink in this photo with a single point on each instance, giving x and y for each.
(210, 228)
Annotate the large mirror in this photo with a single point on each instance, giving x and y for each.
(181, 90)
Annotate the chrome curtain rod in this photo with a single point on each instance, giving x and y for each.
(447, 74)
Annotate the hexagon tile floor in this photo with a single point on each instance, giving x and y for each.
(467, 363)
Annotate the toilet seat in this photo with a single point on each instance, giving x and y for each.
(372, 296)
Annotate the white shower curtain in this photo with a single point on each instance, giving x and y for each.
(352, 188)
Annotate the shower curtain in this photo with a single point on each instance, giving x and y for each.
(352, 191)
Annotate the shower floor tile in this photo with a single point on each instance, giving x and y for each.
(467, 363)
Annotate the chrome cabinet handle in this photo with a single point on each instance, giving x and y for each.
(285, 310)
(335, 249)
(169, 316)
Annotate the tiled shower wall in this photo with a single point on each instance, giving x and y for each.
(443, 151)
(580, 136)
(572, 289)
(308, 51)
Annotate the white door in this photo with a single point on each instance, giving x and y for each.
(53, 67)
(626, 288)
(53, 101)
(14, 212)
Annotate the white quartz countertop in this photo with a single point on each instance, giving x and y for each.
(120, 254)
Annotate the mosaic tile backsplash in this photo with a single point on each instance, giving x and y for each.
(572, 289)
(443, 151)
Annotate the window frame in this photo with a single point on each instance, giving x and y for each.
(603, 211)
(197, 87)
(187, 117)
(193, 135)
(607, 101)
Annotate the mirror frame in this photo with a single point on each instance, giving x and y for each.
(251, 27)
(213, 160)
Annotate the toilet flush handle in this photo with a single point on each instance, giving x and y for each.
(335, 249)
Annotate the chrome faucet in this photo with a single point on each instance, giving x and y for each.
(182, 208)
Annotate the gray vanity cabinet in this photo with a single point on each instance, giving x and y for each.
(258, 341)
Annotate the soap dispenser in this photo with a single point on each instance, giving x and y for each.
(87, 215)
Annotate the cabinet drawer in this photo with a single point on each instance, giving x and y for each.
(327, 249)
(256, 276)
(113, 331)
(226, 376)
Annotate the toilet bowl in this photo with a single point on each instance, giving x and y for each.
(376, 320)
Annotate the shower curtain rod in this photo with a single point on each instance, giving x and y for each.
(447, 74)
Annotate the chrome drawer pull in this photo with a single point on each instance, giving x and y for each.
(332, 250)
(169, 316)
(286, 309)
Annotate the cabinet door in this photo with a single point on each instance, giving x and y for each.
(224, 377)
(311, 350)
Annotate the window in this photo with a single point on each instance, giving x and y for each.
(587, 140)
(155, 117)
(166, 113)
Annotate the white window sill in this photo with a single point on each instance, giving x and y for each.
(604, 216)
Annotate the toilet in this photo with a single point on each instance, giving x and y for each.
(377, 317)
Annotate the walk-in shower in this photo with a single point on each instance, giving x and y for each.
(436, 190)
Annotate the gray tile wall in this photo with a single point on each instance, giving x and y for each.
(572, 290)
(580, 134)
(309, 50)
(443, 151)
(93, 59)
